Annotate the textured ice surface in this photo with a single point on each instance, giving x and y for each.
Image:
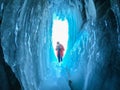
(92, 60)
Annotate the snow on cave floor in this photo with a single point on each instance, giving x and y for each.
(57, 78)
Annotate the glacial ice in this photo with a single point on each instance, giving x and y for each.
(26, 36)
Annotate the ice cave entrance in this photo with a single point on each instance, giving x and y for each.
(59, 33)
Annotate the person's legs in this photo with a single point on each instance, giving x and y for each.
(61, 59)
(58, 58)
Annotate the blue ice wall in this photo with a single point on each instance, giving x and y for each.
(92, 60)
(25, 45)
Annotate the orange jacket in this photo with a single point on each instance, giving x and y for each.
(61, 50)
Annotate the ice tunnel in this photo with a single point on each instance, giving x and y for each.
(59, 33)
(88, 29)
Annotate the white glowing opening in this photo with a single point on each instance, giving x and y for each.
(60, 33)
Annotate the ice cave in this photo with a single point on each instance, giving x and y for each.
(89, 30)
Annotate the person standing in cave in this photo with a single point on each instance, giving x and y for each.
(60, 51)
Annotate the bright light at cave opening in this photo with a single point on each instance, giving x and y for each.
(60, 33)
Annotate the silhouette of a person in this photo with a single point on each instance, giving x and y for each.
(60, 51)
